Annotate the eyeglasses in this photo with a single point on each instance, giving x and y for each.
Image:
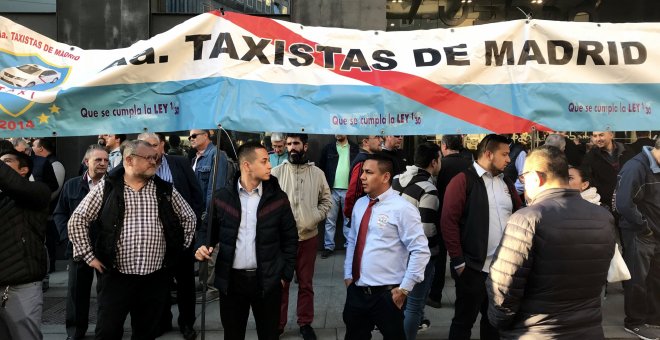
(194, 135)
(152, 158)
(521, 178)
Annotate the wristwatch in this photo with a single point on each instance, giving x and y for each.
(404, 291)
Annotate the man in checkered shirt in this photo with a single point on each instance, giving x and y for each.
(130, 228)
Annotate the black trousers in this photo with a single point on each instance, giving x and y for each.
(144, 296)
(52, 239)
(244, 292)
(79, 288)
(362, 311)
(439, 278)
(184, 274)
(471, 299)
(642, 291)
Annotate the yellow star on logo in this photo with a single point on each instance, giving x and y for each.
(54, 108)
(43, 118)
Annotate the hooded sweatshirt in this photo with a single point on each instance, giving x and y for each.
(417, 186)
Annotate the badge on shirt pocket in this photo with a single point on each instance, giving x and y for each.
(382, 220)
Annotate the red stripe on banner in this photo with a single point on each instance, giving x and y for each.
(416, 88)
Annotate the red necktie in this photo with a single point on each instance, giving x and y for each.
(361, 239)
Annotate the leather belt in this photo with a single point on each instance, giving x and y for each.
(373, 290)
(245, 272)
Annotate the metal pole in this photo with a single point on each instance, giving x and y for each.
(204, 266)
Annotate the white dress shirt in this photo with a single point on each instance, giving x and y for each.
(396, 250)
(500, 208)
(245, 255)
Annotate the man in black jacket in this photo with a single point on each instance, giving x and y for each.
(336, 164)
(177, 170)
(638, 201)
(605, 160)
(258, 238)
(24, 208)
(550, 267)
(452, 163)
(80, 274)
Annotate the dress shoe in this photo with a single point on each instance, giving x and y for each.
(188, 333)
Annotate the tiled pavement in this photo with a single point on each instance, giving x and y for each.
(328, 303)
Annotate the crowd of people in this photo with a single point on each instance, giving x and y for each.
(528, 234)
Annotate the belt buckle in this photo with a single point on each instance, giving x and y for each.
(368, 290)
(250, 270)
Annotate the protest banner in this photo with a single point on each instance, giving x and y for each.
(258, 74)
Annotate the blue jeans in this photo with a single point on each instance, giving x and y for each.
(338, 198)
(416, 301)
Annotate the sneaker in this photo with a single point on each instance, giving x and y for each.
(327, 253)
(643, 332)
(433, 303)
(424, 325)
(211, 296)
(307, 332)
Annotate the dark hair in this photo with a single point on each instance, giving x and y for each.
(302, 136)
(491, 143)
(48, 144)
(453, 142)
(175, 141)
(385, 163)
(23, 160)
(122, 138)
(584, 171)
(554, 161)
(6, 145)
(426, 153)
(247, 151)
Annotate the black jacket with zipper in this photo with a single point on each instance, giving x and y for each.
(24, 210)
(276, 235)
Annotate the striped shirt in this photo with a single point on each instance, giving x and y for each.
(141, 244)
(164, 171)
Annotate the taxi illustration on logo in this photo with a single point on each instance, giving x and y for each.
(29, 75)
(26, 80)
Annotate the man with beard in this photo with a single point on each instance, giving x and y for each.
(177, 170)
(477, 203)
(141, 224)
(309, 194)
(392, 148)
(605, 161)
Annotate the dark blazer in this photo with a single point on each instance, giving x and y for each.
(73, 192)
(186, 183)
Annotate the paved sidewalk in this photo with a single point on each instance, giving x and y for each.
(329, 298)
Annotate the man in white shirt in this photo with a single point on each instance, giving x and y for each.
(386, 255)
(112, 144)
(476, 206)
